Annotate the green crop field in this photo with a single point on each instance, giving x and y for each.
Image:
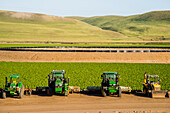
(149, 26)
(74, 45)
(84, 74)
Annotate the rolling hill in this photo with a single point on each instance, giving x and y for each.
(149, 26)
(19, 26)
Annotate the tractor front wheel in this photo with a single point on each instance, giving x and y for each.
(3, 94)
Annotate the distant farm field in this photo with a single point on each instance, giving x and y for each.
(84, 74)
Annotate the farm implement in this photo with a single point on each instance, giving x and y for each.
(58, 84)
(110, 85)
(152, 87)
(13, 88)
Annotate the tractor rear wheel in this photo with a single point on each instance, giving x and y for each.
(103, 93)
(21, 93)
(48, 92)
(119, 92)
(4, 95)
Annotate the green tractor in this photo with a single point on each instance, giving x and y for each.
(110, 84)
(13, 88)
(57, 83)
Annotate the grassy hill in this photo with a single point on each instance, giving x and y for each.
(18, 26)
(149, 26)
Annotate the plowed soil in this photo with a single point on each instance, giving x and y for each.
(20, 56)
(84, 103)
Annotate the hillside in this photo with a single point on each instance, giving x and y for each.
(18, 26)
(149, 26)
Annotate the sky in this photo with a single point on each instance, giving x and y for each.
(85, 8)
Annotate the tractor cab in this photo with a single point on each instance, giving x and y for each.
(110, 78)
(153, 82)
(14, 79)
(58, 75)
(59, 78)
(152, 79)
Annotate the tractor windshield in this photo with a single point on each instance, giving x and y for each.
(153, 79)
(14, 80)
(58, 75)
(111, 77)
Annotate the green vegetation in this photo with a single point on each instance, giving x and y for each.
(74, 45)
(84, 74)
(149, 26)
(17, 26)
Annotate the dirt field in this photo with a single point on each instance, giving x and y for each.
(83, 103)
(19, 56)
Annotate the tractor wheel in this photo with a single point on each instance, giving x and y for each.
(48, 92)
(145, 91)
(29, 93)
(4, 95)
(119, 92)
(151, 95)
(66, 93)
(103, 93)
(21, 92)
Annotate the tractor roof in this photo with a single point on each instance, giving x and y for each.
(58, 72)
(58, 75)
(110, 72)
(14, 76)
(152, 75)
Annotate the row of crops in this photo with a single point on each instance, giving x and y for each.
(74, 45)
(84, 74)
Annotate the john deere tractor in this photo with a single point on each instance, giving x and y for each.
(58, 83)
(13, 88)
(152, 87)
(110, 84)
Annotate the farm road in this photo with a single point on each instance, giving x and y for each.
(82, 103)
